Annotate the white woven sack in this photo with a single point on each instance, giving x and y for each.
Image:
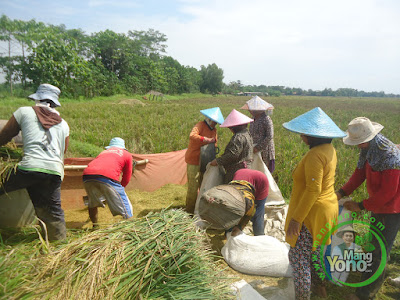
(211, 177)
(257, 255)
(274, 196)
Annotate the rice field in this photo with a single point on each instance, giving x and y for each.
(163, 126)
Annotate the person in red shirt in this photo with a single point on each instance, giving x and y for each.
(260, 182)
(379, 165)
(101, 180)
(202, 133)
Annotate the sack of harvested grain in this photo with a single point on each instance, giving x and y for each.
(257, 255)
(212, 177)
(222, 206)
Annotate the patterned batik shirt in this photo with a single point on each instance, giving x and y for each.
(262, 132)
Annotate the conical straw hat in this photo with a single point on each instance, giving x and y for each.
(214, 114)
(257, 104)
(315, 123)
(236, 118)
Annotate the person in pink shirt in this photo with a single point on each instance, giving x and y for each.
(260, 182)
(101, 180)
(379, 166)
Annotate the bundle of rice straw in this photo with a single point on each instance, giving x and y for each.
(160, 256)
(10, 155)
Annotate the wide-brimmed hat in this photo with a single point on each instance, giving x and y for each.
(347, 228)
(315, 123)
(361, 130)
(236, 118)
(46, 91)
(257, 104)
(117, 142)
(214, 114)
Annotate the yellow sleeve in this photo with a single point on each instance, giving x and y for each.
(313, 172)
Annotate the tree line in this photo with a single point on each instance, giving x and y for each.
(100, 64)
(236, 87)
(107, 63)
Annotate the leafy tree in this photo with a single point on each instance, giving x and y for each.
(212, 77)
(56, 62)
(148, 43)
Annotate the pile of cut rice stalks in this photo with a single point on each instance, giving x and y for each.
(10, 155)
(160, 256)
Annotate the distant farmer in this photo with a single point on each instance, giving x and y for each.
(379, 165)
(313, 202)
(260, 182)
(262, 130)
(238, 153)
(45, 137)
(101, 180)
(203, 133)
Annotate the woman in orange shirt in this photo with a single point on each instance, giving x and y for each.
(203, 133)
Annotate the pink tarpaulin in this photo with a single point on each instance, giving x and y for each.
(161, 169)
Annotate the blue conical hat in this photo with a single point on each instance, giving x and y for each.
(315, 123)
(214, 114)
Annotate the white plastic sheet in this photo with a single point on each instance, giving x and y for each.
(245, 291)
(275, 196)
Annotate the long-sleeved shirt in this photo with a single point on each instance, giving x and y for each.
(111, 163)
(313, 200)
(383, 189)
(196, 140)
(262, 132)
(238, 154)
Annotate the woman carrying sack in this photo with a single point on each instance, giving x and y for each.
(238, 153)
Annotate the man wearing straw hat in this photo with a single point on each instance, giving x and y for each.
(101, 180)
(379, 165)
(41, 170)
(203, 133)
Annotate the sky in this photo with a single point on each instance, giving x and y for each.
(307, 44)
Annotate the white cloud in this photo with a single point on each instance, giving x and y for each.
(315, 44)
